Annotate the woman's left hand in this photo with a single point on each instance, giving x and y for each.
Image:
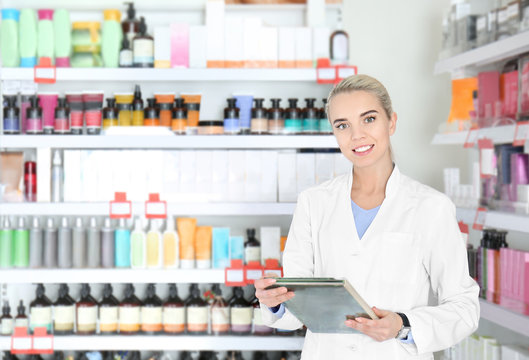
(385, 328)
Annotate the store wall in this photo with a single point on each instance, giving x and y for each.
(398, 43)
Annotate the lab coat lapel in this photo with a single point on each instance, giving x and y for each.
(351, 242)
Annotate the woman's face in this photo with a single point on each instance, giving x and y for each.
(362, 128)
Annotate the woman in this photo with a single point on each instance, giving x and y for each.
(391, 237)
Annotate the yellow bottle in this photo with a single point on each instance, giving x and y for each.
(154, 246)
(171, 246)
(137, 108)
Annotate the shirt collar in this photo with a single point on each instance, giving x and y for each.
(391, 185)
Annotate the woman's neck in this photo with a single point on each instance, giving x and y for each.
(373, 179)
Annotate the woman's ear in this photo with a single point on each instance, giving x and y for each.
(392, 123)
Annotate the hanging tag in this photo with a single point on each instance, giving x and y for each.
(344, 71)
(155, 208)
(325, 72)
(272, 267)
(120, 207)
(234, 275)
(42, 341)
(45, 72)
(521, 133)
(253, 271)
(464, 232)
(471, 138)
(21, 342)
(479, 219)
(487, 165)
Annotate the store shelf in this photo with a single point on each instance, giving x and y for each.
(138, 208)
(486, 54)
(504, 317)
(496, 219)
(135, 74)
(113, 276)
(168, 142)
(499, 135)
(171, 343)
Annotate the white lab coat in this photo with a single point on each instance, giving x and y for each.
(412, 250)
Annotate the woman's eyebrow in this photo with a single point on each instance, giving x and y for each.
(368, 112)
(338, 120)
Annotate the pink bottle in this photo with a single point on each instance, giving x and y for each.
(48, 102)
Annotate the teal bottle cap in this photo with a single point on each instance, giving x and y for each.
(10, 14)
(28, 61)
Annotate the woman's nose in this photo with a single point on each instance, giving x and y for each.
(356, 132)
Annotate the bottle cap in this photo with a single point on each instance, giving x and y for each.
(131, 12)
(170, 225)
(57, 158)
(65, 223)
(107, 290)
(10, 14)
(232, 103)
(36, 222)
(6, 310)
(111, 102)
(151, 290)
(250, 233)
(258, 103)
(310, 102)
(50, 224)
(93, 222)
(85, 290)
(40, 290)
(275, 102)
(79, 222)
(143, 26)
(173, 291)
(108, 223)
(129, 290)
(293, 103)
(21, 223)
(21, 309)
(112, 15)
(45, 14)
(63, 290)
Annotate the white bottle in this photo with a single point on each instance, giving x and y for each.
(171, 246)
(154, 246)
(137, 246)
(57, 177)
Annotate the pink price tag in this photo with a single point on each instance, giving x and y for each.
(253, 271)
(21, 342)
(344, 71)
(42, 341)
(471, 139)
(120, 207)
(155, 208)
(479, 219)
(234, 275)
(521, 133)
(45, 72)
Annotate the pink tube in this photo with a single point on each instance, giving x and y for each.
(48, 102)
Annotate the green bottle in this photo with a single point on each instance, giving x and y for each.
(27, 33)
(6, 245)
(21, 245)
(112, 36)
(45, 37)
(62, 32)
(9, 38)
(137, 247)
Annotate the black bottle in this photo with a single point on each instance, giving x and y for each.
(34, 117)
(196, 312)
(259, 124)
(6, 320)
(62, 118)
(110, 114)
(231, 118)
(21, 320)
(293, 121)
(41, 305)
(241, 313)
(310, 117)
(11, 116)
(276, 118)
(64, 312)
(108, 312)
(151, 312)
(252, 247)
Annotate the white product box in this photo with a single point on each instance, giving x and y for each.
(321, 43)
(215, 33)
(305, 171)
(44, 175)
(121, 171)
(88, 176)
(341, 164)
(220, 174)
(286, 175)
(315, 13)
(105, 164)
(204, 174)
(512, 352)
(138, 179)
(198, 38)
(154, 172)
(253, 167)
(270, 243)
(171, 173)
(162, 47)
(324, 167)
(188, 171)
(268, 51)
(304, 47)
(268, 176)
(252, 41)
(287, 47)
(234, 42)
(236, 175)
(72, 175)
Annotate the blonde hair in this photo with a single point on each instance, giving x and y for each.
(363, 83)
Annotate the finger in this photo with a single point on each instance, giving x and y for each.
(367, 322)
(380, 313)
(264, 283)
(269, 275)
(272, 294)
(285, 297)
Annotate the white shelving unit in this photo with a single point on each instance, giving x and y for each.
(499, 135)
(486, 54)
(138, 208)
(113, 276)
(495, 219)
(171, 343)
(168, 142)
(504, 317)
(131, 75)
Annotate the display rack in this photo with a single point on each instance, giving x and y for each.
(171, 343)
(504, 317)
(498, 135)
(496, 219)
(487, 54)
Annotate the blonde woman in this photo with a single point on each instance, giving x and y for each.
(394, 239)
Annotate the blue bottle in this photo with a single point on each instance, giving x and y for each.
(122, 246)
(231, 118)
(11, 116)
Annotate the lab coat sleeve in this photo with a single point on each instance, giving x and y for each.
(298, 261)
(444, 257)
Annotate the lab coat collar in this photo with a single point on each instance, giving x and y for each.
(391, 186)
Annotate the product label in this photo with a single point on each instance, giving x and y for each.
(174, 316)
(481, 24)
(76, 119)
(257, 317)
(129, 315)
(151, 315)
(513, 11)
(143, 51)
(125, 58)
(93, 119)
(339, 47)
(220, 316)
(21, 323)
(6, 327)
(502, 16)
(197, 315)
(241, 316)
(492, 18)
(252, 253)
(86, 315)
(40, 316)
(108, 315)
(64, 314)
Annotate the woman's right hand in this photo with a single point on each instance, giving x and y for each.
(271, 297)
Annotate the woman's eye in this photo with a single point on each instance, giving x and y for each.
(369, 119)
(341, 126)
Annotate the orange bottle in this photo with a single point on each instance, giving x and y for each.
(152, 117)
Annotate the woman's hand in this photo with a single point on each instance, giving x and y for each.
(272, 297)
(385, 328)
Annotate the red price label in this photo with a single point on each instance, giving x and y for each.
(471, 139)
(521, 133)
(234, 275)
(45, 72)
(253, 271)
(272, 267)
(155, 208)
(479, 219)
(120, 207)
(21, 342)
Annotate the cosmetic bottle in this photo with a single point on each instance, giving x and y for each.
(108, 312)
(28, 38)
(339, 46)
(62, 118)
(231, 118)
(252, 247)
(63, 312)
(293, 121)
(45, 37)
(138, 246)
(21, 245)
(93, 245)
(131, 25)
(219, 312)
(152, 117)
(6, 244)
(154, 246)
(126, 57)
(36, 258)
(171, 245)
(196, 312)
(86, 312)
(30, 181)
(6, 320)
(107, 244)
(130, 312)
(311, 119)
(234, 355)
(241, 313)
(40, 311)
(34, 117)
(110, 114)
(174, 314)
(137, 107)
(64, 245)
(76, 108)
(258, 327)
(122, 246)
(50, 245)
(57, 177)
(143, 47)
(259, 122)
(151, 312)
(111, 38)
(9, 49)
(21, 320)
(11, 116)
(179, 117)
(79, 245)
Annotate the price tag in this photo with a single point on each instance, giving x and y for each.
(42, 342)
(155, 208)
(521, 133)
(253, 271)
(463, 227)
(120, 207)
(45, 72)
(487, 166)
(21, 342)
(343, 71)
(325, 72)
(471, 139)
(479, 219)
(272, 267)
(234, 275)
